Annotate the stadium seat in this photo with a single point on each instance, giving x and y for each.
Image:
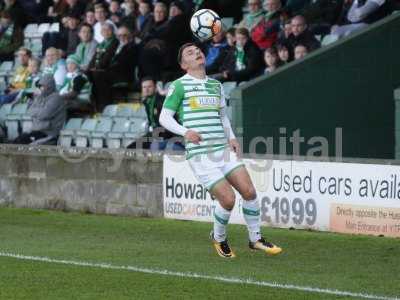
(14, 120)
(329, 39)
(3, 85)
(6, 68)
(55, 27)
(44, 27)
(98, 136)
(30, 30)
(227, 22)
(110, 111)
(83, 134)
(229, 86)
(5, 109)
(68, 134)
(120, 128)
(26, 123)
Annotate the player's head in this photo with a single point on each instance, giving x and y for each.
(191, 57)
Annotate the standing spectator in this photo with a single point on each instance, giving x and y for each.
(71, 34)
(20, 77)
(271, 60)
(360, 14)
(300, 51)
(255, 15)
(265, 33)
(76, 90)
(55, 66)
(100, 14)
(216, 51)
(243, 62)
(47, 112)
(301, 35)
(87, 47)
(11, 37)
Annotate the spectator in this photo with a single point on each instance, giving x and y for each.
(230, 37)
(56, 11)
(71, 34)
(87, 47)
(77, 88)
(285, 56)
(11, 37)
(216, 51)
(16, 12)
(301, 35)
(300, 51)
(360, 14)
(116, 13)
(153, 103)
(271, 60)
(101, 18)
(129, 17)
(47, 112)
(31, 82)
(285, 32)
(255, 15)
(90, 18)
(129, 6)
(20, 77)
(144, 13)
(243, 62)
(159, 19)
(74, 7)
(55, 66)
(265, 33)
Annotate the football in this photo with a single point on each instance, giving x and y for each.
(205, 24)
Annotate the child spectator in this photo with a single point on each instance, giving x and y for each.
(89, 17)
(271, 60)
(230, 37)
(284, 53)
(300, 51)
(31, 88)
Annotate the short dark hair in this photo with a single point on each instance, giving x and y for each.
(148, 78)
(88, 26)
(182, 48)
(27, 51)
(243, 31)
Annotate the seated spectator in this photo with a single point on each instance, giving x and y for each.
(19, 80)
(216, 51)
(90, 18)
(230, 37)
(77, 89)
(56, 11)
(100, 14)
(31, 88)
(300, 51)
(145, 9)
(153, 103)
(47, 112)
(360, 14)
(74, 7)
(55, 66)
(301, 35)
(271, 60)
(285, 32)
(87, 47)
(11, 37)
(159, 19)
(285, 56)
(243, 62)
(71, 34)
(265, 33)
(16, 12)
(129, 17)
(255, 15)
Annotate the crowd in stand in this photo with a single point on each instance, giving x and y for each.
(105, 46)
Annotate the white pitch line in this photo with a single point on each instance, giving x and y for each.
(248, 281)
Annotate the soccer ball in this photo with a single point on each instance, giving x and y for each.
(205, 24)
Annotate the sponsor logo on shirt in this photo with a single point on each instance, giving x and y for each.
(204, 102)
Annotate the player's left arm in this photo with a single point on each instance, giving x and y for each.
(233, 143)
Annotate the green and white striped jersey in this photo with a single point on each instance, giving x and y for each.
(198, 104)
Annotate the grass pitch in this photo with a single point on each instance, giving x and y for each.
(357, 264)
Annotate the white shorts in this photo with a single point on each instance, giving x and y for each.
(211, 168)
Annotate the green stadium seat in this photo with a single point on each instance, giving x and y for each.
(82, 136)
(30, 30)
(68, 134)
(98, 136)
(227, 22)
(14, 120)
(114, 138)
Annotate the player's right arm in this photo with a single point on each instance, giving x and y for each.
(171, 106)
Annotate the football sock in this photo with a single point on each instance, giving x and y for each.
(251, 213)
(221, 219)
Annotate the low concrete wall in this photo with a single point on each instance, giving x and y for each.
(102, 181)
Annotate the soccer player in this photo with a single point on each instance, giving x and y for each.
(211, 152)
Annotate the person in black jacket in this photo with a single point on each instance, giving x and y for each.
(216, 51)
(243, 62)
(301, 35)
